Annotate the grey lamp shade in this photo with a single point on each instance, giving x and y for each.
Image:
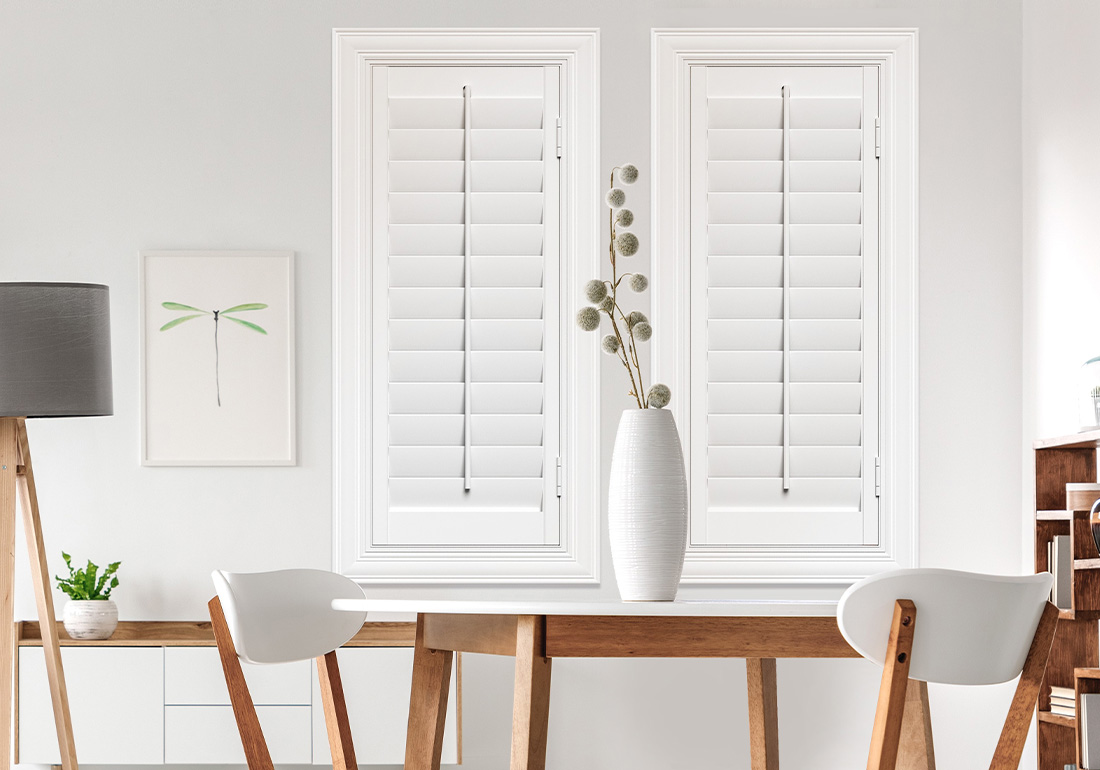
(55, 350)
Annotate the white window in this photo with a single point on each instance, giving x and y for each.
(464, 168)
(785, 176)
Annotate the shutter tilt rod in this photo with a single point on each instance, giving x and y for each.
(786, 289)
(467, 294)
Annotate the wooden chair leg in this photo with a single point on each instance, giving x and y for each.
(248, 724)
(336, 713)
(531, 707)
(886, 736)
(1010, 746)
(431, 685)
(9, 459)
(916, 751)
(763, 713)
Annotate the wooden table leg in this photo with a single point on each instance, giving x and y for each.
(9, 454)
(916, 730)
(431, 684)
(763, 713)
(531, 707)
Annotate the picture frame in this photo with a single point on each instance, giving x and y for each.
(217, 358)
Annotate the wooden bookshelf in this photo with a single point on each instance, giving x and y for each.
(1060, 461)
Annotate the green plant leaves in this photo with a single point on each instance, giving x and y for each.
(247, 324)
(88, 584)
(178, 321)
(246, 306)
(178, 306)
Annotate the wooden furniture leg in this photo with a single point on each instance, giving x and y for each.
(43, 594)
(336, 713)
(248, 724)
(9, 455)
(763, 713)
(916, 752)
(1010, 745)
(531, 707)
(886, 736)
(431, 684)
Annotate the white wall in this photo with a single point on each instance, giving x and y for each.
(169, 124)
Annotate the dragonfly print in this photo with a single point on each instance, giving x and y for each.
(217, 315)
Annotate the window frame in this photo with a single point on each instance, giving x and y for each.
(894, 52)
(576, 558)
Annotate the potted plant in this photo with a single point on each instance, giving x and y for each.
(90, 613)
(647, 497)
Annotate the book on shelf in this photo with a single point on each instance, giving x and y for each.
(1060, 560)
(1064, 711)
(1090, 730)
(1061, 692)
(1056, 700)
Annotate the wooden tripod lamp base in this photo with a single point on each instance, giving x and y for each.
(17, 477)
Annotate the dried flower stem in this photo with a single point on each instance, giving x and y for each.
(637, 386)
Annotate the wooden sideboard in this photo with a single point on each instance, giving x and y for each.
(154, 694)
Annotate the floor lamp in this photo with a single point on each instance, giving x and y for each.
(55, 361)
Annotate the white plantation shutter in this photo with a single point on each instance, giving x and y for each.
(466, 369)
(783, 311)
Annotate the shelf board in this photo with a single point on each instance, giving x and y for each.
(1089, 439)
(1086, 563)
(1086, 673)
(1057, 719)
(1053, 515)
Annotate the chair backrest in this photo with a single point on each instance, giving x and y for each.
(970, 628)
(287, 615)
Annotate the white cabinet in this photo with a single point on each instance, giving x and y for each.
(116, 697)
(376, 689)
(170, 705)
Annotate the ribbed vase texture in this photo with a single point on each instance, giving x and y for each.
(647, 506)
(94, 619)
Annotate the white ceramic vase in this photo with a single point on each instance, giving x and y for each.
(96, 619)
(647, 506)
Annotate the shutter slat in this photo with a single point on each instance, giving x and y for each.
(426, 398)
(825, 398)
(497, 240)
(745, 430)
(826, 430)
(745, 112)
(822, 303)
(826, 335)
(507, 208)
(509, 398)
(826, 144)
(746, 335)
(419, 271)
(745, 366)
(508, 143)
(428, 208)
(826, 462)
(745, 176)
(426, 334)
(425, 112)
(746, 398)
(826, 176)
(425, 143)
(745, 272)
(507, 271)
(432, 494)
(826, 271)
(510, 303)
(426, 240)
(746, 240)
(426, 302)
(826, 240)
(426, 366)
(446, 430)
(826, 113)
(744, 144)
(766, 495)
(418, 112)
(767, 462)
(746, 303)
(445, 462)
(507, 366)
(519, 176)
(745, 208)
(425, 176)
(508, 430)
(508, 462)
(507, 335)
(826, 366)
(826, 208)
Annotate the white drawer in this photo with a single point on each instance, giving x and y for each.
(208, 734)
(115, 699)
(193, 677)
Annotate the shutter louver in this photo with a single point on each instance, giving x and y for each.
(784, 446)
(500, 492)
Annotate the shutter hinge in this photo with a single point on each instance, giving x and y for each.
(559, 137)
(878, 137)
(878, 477)
(559, 477)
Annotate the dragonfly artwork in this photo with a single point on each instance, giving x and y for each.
(217, 315)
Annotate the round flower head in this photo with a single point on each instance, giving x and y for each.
(625, 218)
(636, 317)
(659, 396)
(595, 290)
(627, 244)
(643, 331)
(628, 173)
(607, 304)
(610, 344)
(615, 197)
(639, 282)
(588, 319)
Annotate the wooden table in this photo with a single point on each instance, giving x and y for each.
(537, 632)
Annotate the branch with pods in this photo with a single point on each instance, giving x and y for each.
(627, 329)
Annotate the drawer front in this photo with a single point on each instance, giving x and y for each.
(208, 735)
(377, 682)
(193, 677)
(116, 699)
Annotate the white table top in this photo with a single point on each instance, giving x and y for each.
(708, 609)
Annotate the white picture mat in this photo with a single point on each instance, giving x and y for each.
(182, 423)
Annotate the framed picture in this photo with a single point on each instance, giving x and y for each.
(217, 351)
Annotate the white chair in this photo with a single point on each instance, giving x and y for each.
(279, 617)
(949, 627)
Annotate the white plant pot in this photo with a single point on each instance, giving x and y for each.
(91, 619)
(647, 506)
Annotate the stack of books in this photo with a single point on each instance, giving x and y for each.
(1062, 701)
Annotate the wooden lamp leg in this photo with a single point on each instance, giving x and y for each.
(9, 459)
(886, 736)
(43, 594)
(244, 710)
(336, 713)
